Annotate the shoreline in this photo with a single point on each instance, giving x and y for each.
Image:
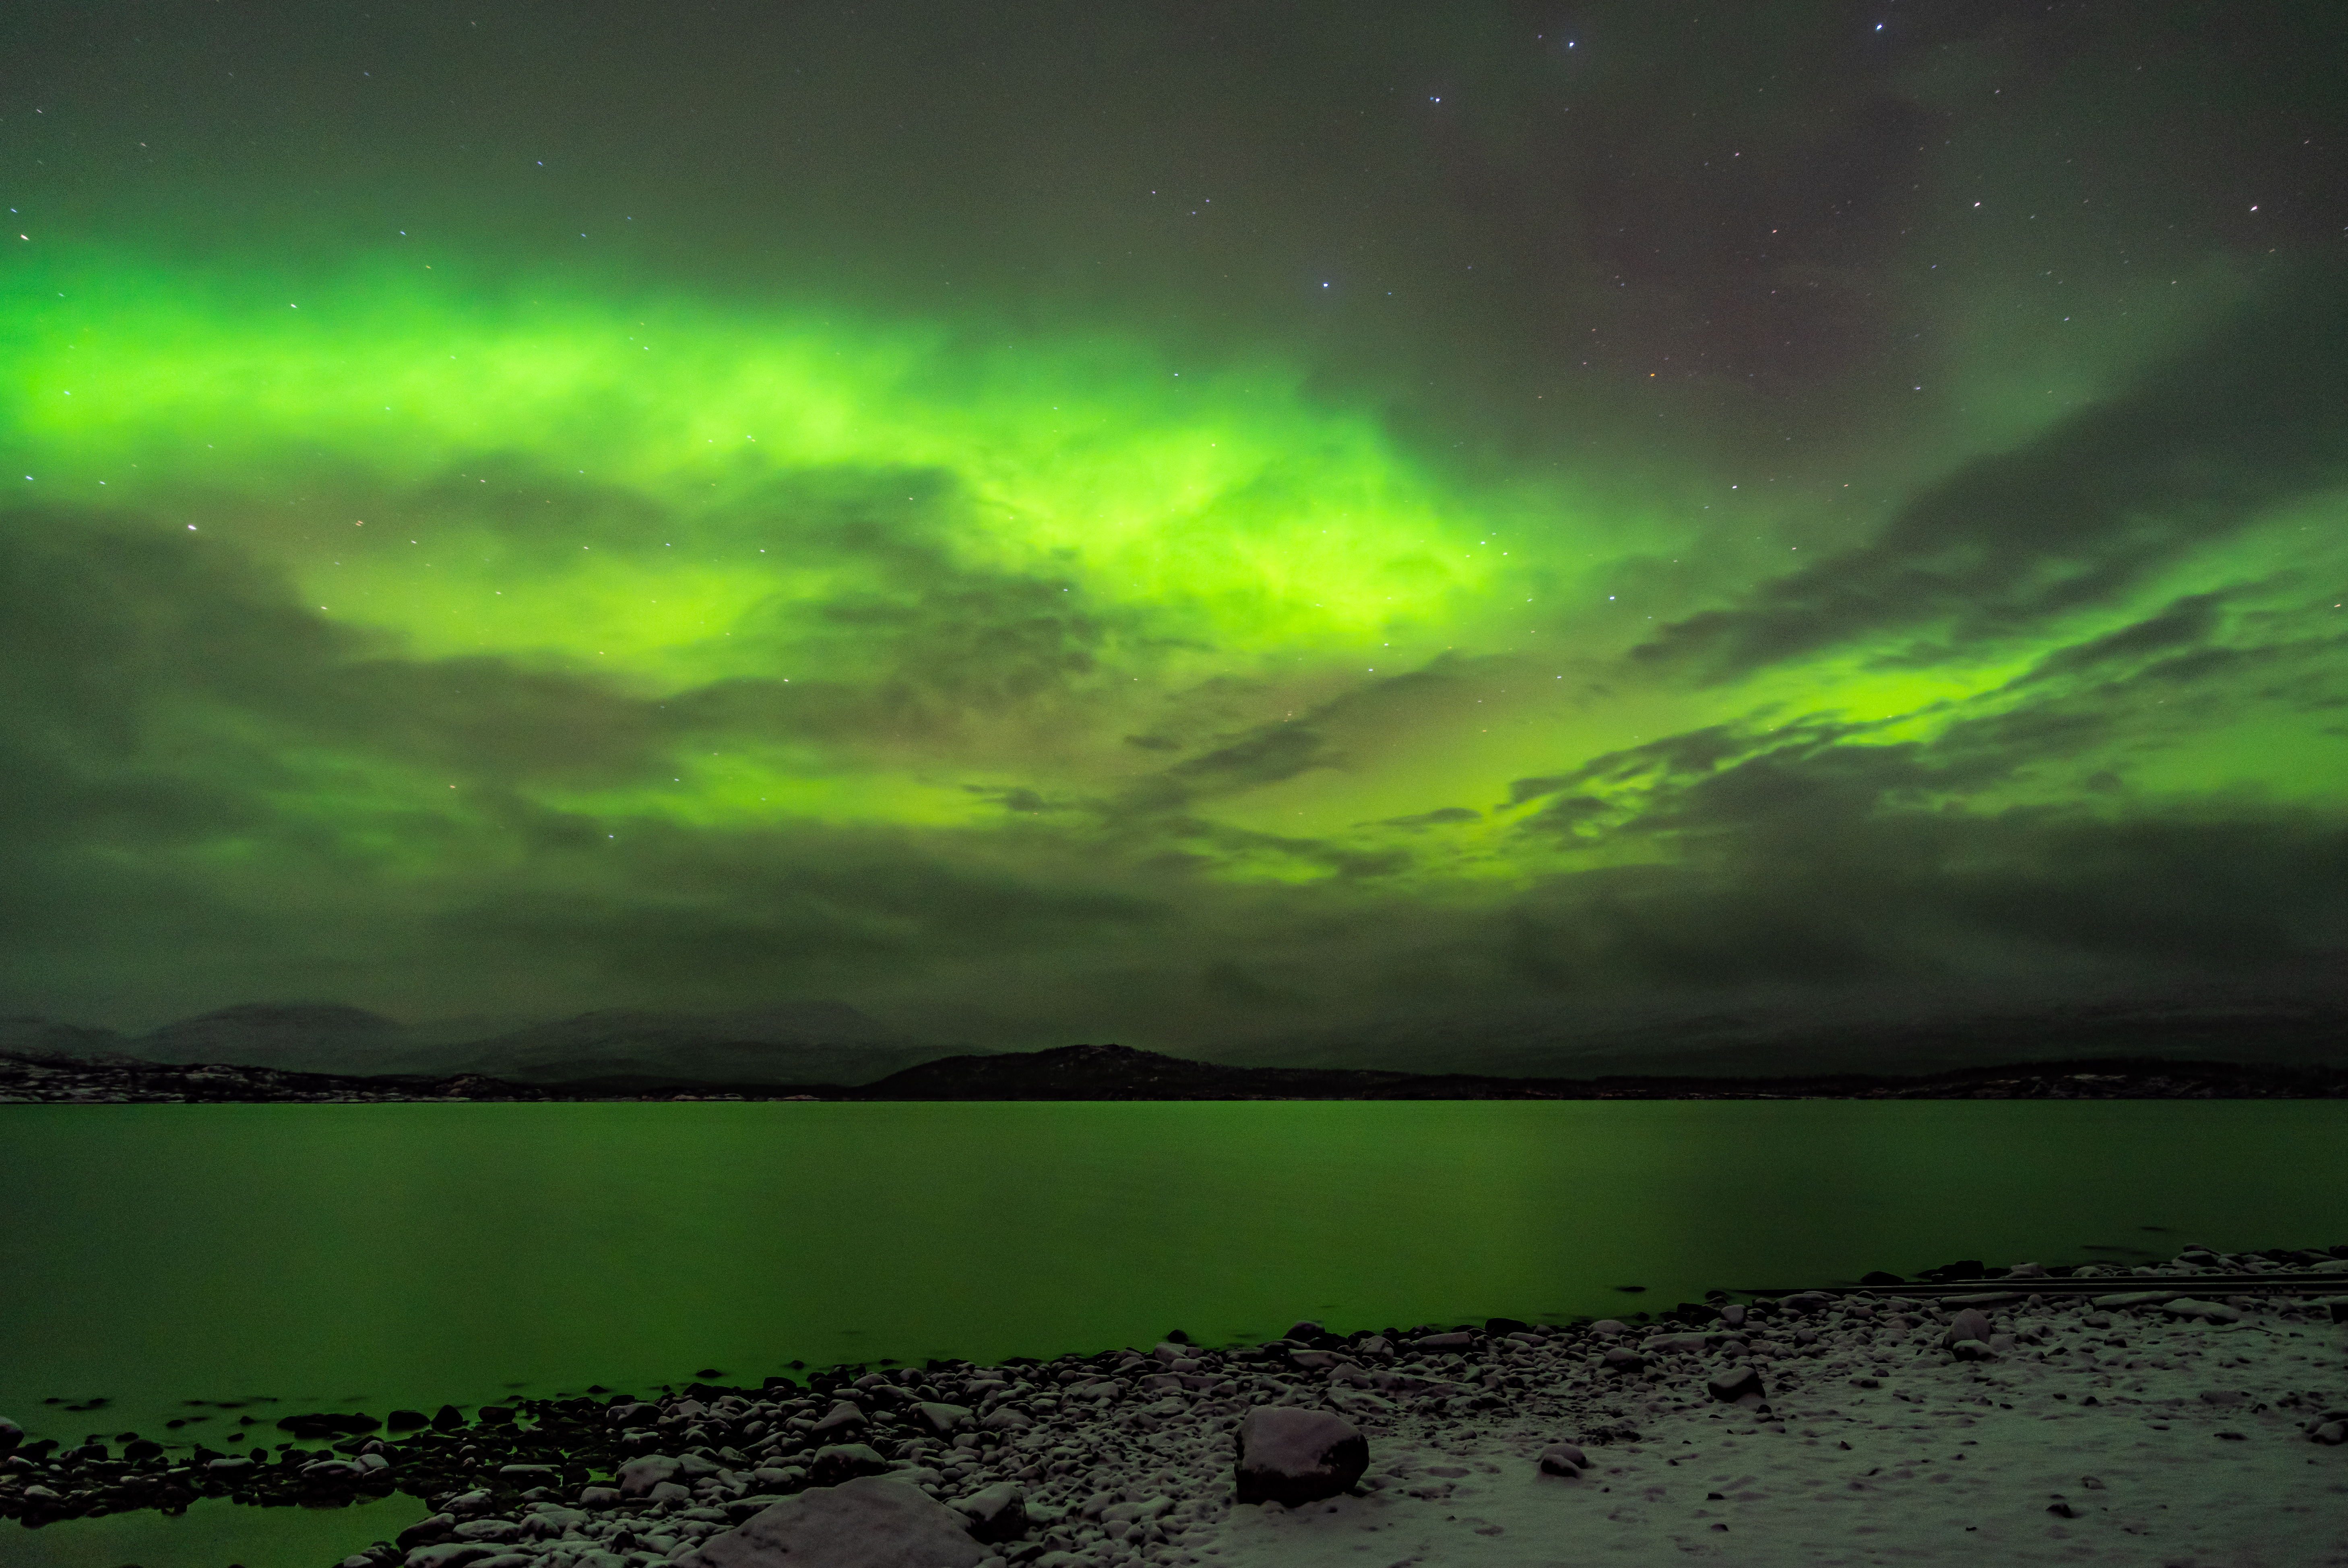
(1094, 1073)
(2148, 1384)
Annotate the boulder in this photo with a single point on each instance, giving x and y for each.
(869, 1523)
(942, 1420)
(1563, 1459)
(1622, 1361)
(1293, 1457)
(1736, 1383)
(451, 1554)
(638, 1477)
(998, 1513)
(426, 1532)
(845, 1418)
(11, 1434)
(1972, 1323)
(2207, 1311)
(844, 1462)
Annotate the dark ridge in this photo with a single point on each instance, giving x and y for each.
(1120, 1072)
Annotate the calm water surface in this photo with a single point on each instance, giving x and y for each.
(410, 1254)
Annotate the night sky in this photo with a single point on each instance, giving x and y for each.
(1180, 523)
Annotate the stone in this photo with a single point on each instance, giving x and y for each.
(11, 1434)
(2207, 1311)
(844, 1462)
(426, 1532)
(447, 1418)
(941, 1418)
(1457, 1340)
(451, 1554)
(844, 1418)
(638, 1477)
(1622, 1361)
(1292, 1456)
(869, 1523)
(1563, 1459)
(1972, 1323)
(1610, 1325)
(1734, 1384)
(998, 1513)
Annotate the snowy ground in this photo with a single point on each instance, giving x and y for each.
(2159, 1432)
(1946, 1461)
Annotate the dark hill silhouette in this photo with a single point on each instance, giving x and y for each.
(1114, 1072)
(1119, 1072)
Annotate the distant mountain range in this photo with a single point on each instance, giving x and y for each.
(805, 1042)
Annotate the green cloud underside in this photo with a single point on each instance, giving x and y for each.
(661, 649)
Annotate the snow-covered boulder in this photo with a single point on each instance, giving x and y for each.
(869, 1523)
(1294, 1456)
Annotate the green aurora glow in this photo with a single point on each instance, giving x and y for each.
(444, 630)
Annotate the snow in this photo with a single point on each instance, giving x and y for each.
(1943, 1461)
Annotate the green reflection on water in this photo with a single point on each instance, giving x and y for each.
(211, 1534)
(378, 1256)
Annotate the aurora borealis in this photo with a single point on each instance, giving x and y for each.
(1190, 526)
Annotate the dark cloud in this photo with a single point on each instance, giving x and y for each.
(2199, 447)
(1442, 816)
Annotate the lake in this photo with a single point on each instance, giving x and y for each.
(374, 1256)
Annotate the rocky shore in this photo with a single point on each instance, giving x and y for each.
(2131, 1425)
(1120, 1072)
